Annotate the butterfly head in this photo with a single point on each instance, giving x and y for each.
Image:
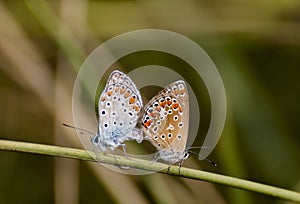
(172, 156)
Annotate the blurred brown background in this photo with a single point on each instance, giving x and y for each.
(254, 44)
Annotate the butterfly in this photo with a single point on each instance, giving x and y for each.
(166, 122)
(119, 107)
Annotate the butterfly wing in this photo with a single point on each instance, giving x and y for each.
(166, 118)
(119, 106)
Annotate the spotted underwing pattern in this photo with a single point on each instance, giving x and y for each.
(166, 122)
(120, 105)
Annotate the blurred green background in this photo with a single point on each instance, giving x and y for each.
(254, 44)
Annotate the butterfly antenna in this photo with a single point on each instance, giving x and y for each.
(83, 130)
(199, 147)
(209, 161)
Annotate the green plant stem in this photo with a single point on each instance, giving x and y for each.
(150, 166)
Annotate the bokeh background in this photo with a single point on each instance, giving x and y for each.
(254, 44)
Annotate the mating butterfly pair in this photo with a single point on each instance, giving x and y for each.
(165, 118)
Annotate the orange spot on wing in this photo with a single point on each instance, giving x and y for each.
(147, 124)
(126, 94)
(109, 93)
(162, 104)
(153, 114)
(122, 90)
(103, 98)
(175, 105)
(132, 100)
(136, 108)
(169, 102)
(180, 109)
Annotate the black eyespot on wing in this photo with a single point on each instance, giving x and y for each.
(103, 112)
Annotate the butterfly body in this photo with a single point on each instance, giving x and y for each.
(119, 107)
(166, 122)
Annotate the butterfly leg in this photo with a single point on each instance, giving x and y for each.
(168, 168)
(156, 157)
(115, 156)
(97, 151)
(180, 165)
(124, 150)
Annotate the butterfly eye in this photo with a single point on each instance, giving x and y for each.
(186, 155)
(95, 140)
